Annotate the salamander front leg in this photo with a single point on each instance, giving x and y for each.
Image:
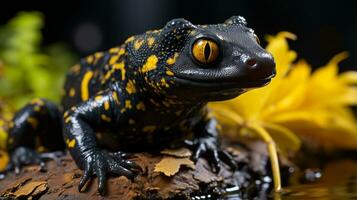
(206, 145)
(81, 142)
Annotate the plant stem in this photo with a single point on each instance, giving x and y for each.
(273, 155)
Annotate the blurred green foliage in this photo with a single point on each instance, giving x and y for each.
(27, 69)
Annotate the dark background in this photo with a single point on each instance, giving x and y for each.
(324, 28)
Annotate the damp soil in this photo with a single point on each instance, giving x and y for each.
(61, 177)
(317, 177)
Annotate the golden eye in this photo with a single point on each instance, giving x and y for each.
(257, 39)
(205, 51)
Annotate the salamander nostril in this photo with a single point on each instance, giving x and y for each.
(251, 62)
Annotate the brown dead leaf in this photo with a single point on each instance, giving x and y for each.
(67, 177)
(40, 189)
(30, 189)
(180, 152)
(171, 165)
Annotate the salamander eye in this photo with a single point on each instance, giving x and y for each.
(205, 51)
(257, 39)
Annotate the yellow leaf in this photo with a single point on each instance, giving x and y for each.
(325, 88)
(29, 190)
(289, 93)
(278, 46)
(349, 77)
(330, 70)
(329, 128)
(171, 165)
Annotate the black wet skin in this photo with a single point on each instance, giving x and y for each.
(147, 94)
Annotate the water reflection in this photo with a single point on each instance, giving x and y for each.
(338, 182)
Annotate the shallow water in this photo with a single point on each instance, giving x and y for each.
(338, 182)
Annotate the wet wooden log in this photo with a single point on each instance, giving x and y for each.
(61, 179)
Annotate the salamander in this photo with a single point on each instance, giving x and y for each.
(149, 93)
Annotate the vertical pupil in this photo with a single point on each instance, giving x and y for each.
(207, 51)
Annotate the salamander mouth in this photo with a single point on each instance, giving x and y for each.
(224, 85)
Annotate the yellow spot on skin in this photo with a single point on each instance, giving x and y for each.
(121, 67)
(140, 106)
(98, 55)
(41, 149)
(172, 60)
(129, 39)
(151, 41)
(65, 114)
(71, 143)
(169, 73)
(115, 97)
(137, 44)
(150, 64)
(84, 85)
(114, 50)
(130, 87)
(106, 105)
(11, 140)
(113, 59)
(67, 119)
(105, 118)
(121, 52)
(128, 104)
(90, 59)
(149, 129)
(116, 66)
(98, 98)
(38, 102)
(122, 110)
(164, 83)
(76, 69)
(108, 75)
(72, 92)
(131, 121)
(33, 122)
